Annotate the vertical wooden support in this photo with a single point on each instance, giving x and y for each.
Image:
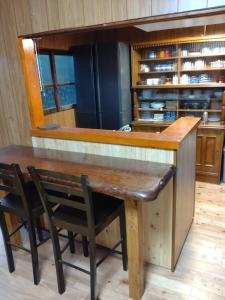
(134, 225)
(136, 106)
(223, 110)
(30, 72)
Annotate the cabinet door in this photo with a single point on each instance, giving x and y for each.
(209, 154)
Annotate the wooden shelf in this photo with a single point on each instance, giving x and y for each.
(157, 72)
(199, 110)
(181, 109)
(158, 99)
(158, 59)
(202, 55)
(156, 109)
(181, 86)
(156, 122)
(202, 70)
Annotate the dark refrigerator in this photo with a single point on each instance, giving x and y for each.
(102, 74)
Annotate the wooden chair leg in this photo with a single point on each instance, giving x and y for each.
(39, 230)
(85, 246)
(34, 252)
(71, 240)
(123, 235)
(58, 258)
(6, 241)
(93, 272)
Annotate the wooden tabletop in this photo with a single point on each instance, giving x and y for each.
(123, 178)
(171, 138)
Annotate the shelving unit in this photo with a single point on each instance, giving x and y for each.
(148, 57)
(201, 91)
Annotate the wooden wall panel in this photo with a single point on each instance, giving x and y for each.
(160, 7)
(185, 192)
(119, 10)
(64, 118)
(38, 10)
(71, 13)
(14, 120)
(185, 5)
(211, 3)
(53, 14)
(138, 9)
(23, 16)
(97, 11)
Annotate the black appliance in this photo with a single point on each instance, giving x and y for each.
(102, 75)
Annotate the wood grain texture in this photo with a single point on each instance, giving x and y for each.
(171, 138)
(39, 17)
(146, 154)
(135, 249)
(209, 154)
(23, 16)
(119, 10)
(29, 65)
(71, 13)
(160, 7)
(53, 14)
(211, 3)
(184, 5)
(109, 175)
(97, 11)
(184, 194)
(64, 118)
(158, 216)
(14, 120)
(138, 9)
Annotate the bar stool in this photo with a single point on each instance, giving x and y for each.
(22, 200)
(79, 211)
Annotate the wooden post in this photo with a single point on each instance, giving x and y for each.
(134, 225)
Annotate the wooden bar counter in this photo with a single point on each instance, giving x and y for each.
(159, 227)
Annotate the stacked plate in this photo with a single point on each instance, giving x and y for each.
(194, 79)
(203, 78)
(157, 105)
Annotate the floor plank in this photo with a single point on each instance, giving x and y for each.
(199, 275)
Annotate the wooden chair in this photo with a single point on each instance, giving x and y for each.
(80, 211)
(22, 200)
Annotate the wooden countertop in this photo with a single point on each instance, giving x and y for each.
(171, 138)
(123, 178)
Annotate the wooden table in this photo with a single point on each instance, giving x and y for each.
(133, 181)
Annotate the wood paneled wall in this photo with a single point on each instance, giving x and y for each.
(33, 16)
(14, 120)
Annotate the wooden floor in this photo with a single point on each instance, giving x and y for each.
(200, 272)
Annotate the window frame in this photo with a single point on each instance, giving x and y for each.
(55, 84)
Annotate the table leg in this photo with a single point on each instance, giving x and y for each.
(134, 220)
(12, 224)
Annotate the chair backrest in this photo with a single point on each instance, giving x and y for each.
(67, 190)
(12, 181)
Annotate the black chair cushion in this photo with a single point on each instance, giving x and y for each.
(106, 209)
(13, 204)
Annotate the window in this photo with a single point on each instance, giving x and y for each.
(57, 79)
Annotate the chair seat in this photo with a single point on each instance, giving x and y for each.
(106, 209)
(13, 204)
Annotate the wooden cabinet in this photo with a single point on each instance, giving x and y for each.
(146, 127)
(209, 154)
